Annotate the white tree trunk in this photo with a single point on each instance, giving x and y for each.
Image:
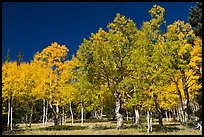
(57, 113)
(46, 114)
(177, 114)
(9, 111)
(82, 114)
(65, 118)
(43, 112)
(170, 115)
(137, 116)
(57, 110)
(118, 115)
(166, 116)
(12, 112)
(149, 121)
(72, 116)
(95, 114)
(31, 114)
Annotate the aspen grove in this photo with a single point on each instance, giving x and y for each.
(122, 72)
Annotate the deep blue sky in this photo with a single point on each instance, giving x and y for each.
(32, 26)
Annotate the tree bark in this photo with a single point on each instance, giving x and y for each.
(181, 101)
(57, 114)
(26, 120)
(12, 98)
(63, 114)
(187, 102)
(170, 115)
(149, 121)
(72, 116)
(43, 112)
(56, 122)
(46, 113)
(117, 109)
(166, 116)
(9, 111)
(158, 109)
(127, 114)
(136, 116)
(82, 113)
(31, 114)
(101, 114)
(174, 114)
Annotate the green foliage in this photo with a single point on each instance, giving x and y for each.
(195, 18)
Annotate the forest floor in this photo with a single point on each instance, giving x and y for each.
(107, 128)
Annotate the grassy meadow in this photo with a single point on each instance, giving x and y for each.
(104, 128)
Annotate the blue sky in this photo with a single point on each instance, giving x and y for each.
(32, 26)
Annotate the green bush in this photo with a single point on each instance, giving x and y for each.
(64, 127)
(198, 113)
(191, 123)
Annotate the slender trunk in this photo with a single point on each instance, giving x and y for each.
(178, 114)
(26, 120)
(117, 109)
(9, 111)
(70, 108)
(134, 109)
(187, 103)
(95, 114)
(43, 112)
(82, 113)
(57, 114)
(127, 114)
(134, 118)
(193, 106)
(181, 101)
(158, 109)
(137, 116)
(12, 98)
(65, 118)
(101, 114)
(186, 93)
(31, 114)
(149, 121)
(46, 113)
(170, 114)
(174, 114)
(166, 116)
(63, 114)
(180, 117)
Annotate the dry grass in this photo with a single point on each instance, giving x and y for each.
(169, 128)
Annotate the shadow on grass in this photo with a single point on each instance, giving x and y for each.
(166, 128)
(102, 127)
(88, 120)
(63, 127)
(13, 132)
